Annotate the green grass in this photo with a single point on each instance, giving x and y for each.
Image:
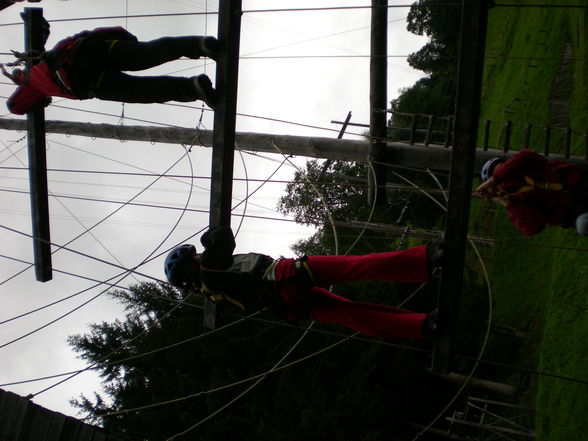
(524, 47)
(540, 284)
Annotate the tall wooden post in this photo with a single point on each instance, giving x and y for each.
(472, 42)
(378, 99)
(33, 18)
(223, 136)
(223, 141)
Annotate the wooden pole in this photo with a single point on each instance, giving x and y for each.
(223, 142)
(223, 137)
(378, 99)
(33, 18)
(472, 41)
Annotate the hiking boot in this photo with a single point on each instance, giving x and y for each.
(205, 90)
(209, 47)
(435, 256)
(430, 328)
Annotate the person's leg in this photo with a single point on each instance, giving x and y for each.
(367, 318)
(409, 265)
(140, 55)
(117, 86)
(582, 224)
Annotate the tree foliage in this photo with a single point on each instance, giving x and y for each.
(435, 93)
(152, 356)
(323, 190)
(435, 19)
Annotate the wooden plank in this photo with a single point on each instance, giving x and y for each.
(85, 432)
(22, 420)
(36, 424)
(430, 126)
(546, 140)
(413, 129)
(99, 435)
(472, 42)
(507, 133)
(13, 409)
(567, 142)
(527, 135)
(69, 431)
(33, 18)
(223, 138)
(448, 132)
(56, 427)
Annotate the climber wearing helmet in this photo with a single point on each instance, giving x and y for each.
(295, 289)
(536, 191)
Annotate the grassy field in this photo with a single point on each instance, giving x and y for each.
(540, 284)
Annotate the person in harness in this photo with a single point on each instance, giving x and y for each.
(294, 289)
(90, 64)
(537, 192)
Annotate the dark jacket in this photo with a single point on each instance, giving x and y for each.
(238, 276)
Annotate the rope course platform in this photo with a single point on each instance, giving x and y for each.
(460, 157)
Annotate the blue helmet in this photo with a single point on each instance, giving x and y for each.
(488, 167)
(180, 268)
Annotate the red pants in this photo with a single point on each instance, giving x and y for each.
(368, 318)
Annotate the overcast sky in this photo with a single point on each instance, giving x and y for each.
(275, 82)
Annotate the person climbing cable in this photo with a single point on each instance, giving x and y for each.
(90, 64)
(294, 289)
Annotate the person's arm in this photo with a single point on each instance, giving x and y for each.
(487, 189)
(219, 245)
(26, 98)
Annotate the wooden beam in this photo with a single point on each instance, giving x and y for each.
(472, 42)
(433, 156)
(33, 18)
(223, 138)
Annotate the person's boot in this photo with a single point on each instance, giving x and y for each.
(430, 327)
(435, 256)
(208, 47)
(204, 90)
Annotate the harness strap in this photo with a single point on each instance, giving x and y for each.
(216, 297)
(533, 184)
(62, 83)
(303, 270)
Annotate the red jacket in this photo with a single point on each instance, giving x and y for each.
(45, 81)
(541, 191)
